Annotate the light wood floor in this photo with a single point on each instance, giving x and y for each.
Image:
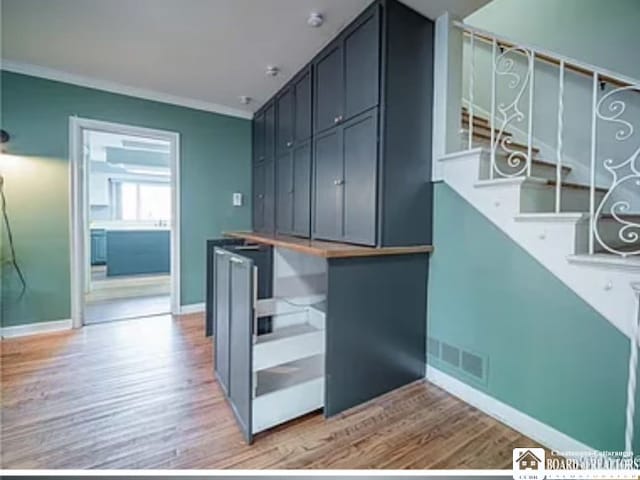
(141, 394)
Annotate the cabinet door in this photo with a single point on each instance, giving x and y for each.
(241, 339)
(269, 132)
(328, 178)
(302, 107)
(329, 88)
(258, 196)
(221, 315)
(302, 189)
(362, 66)
(101, 248)
(284, 121)
(284, 193)
(360, 137)
(258, 137)
(269, 209)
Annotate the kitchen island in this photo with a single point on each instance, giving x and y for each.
(301, 325)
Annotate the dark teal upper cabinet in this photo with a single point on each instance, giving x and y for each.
(348, 72)
(285, 120)
(357, 122)
(361, 47)
(329, 88)
(302, 106)
(269, 131)
(258, 137)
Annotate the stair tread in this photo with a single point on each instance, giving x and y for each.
(516, 145)
(577, 186)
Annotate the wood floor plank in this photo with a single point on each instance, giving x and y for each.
(141, 394)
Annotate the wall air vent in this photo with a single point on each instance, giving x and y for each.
(473, 365)
(450, 354)
(433, 347)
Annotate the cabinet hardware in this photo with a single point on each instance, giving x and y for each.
(289, 144)
(338, 182)
(260, 196)
(237, 261)
(336, 119)
(218, 252)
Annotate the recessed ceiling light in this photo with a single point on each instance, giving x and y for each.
(315, 19)
(245, 100)
(272, 71)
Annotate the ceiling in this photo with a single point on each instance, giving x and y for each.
(200, 53)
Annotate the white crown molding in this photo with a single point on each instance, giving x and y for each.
(192, 308)
(35, 328)
(113, 87)
(523, 423)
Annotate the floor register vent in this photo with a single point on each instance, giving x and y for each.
(468, 362)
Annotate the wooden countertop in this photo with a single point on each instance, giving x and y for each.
(326, 249)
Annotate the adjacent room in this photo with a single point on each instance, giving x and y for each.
(320, 234)
(129, 192)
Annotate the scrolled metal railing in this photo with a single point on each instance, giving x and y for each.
(621, 200)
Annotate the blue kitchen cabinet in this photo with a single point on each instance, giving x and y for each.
(98, 247)
(138, 252)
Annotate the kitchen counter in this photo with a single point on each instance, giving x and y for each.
(326, 249)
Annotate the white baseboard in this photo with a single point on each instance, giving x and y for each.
(192, 308)
(35, 328)
(523, 423)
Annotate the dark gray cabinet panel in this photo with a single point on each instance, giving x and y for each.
(376, 310)
(284, 193)
(258, 137)
(302, 107)
(329, 88)
(240, 340)
(221, 274)
(210, 280)
(361, 66)
(360, 147)
(258, 196)
(328, 188)
(269, 131)
(302, 189)
(269, 196)
(284, 123)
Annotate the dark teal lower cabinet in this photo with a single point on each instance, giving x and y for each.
(98, 246)
(138, 252)
(341, 331)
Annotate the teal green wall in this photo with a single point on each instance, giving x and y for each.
(603, 33)
(550, 355)
(215, 162)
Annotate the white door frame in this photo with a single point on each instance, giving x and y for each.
(79, 231)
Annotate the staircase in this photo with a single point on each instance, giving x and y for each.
(523, 206)
(580, 231)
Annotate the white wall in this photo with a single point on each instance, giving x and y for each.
(600, 32)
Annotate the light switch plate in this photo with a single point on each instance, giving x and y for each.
(237, 199)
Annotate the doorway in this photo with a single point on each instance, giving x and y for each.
(125, 225)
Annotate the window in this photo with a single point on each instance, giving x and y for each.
(138, 201)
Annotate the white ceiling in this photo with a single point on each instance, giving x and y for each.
(201, 53)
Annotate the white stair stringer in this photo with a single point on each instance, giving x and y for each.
(557, 241)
